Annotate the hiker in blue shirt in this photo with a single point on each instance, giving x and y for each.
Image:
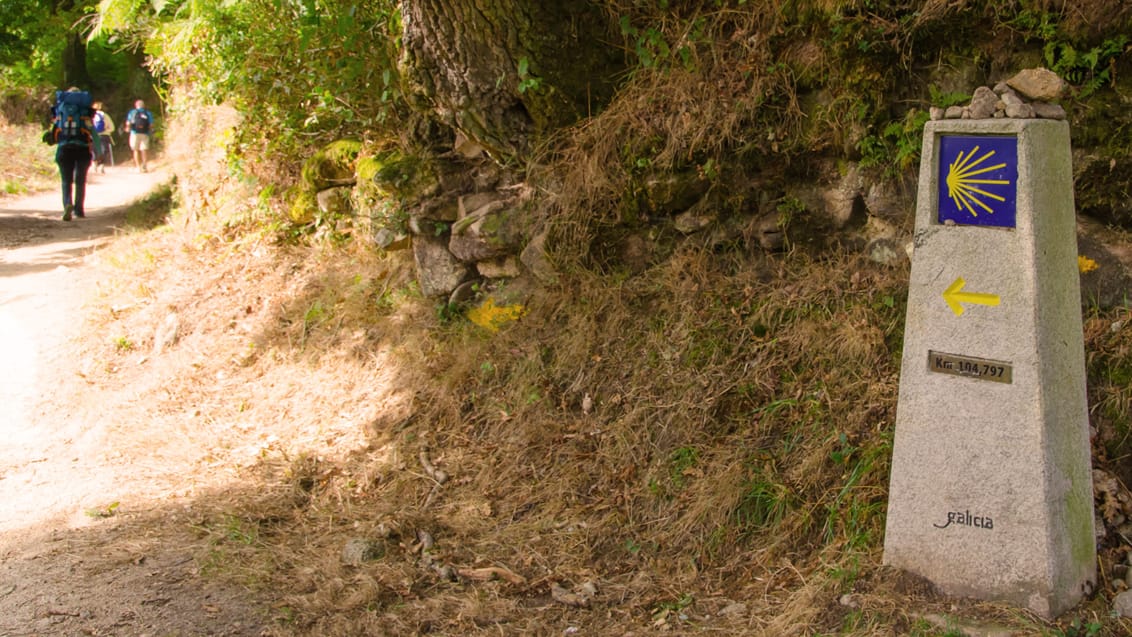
(76, 144)
(139, 122)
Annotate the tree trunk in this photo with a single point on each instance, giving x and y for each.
(75, 72)
(74, 62)
(505, 72)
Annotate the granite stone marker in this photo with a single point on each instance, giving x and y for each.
(991, 491)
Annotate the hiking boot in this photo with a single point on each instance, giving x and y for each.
(80, 214)
(67, 212)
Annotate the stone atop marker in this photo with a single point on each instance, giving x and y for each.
(1039, 84)
(983, 104)
(1009, 99)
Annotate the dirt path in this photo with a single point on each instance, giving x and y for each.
(64, 569)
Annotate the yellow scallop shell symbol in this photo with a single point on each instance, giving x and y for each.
(963, 184)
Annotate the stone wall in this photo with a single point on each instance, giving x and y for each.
(470, 226)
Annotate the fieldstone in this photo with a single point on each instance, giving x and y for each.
(737, 609)
(477, 201)
(1010, 98)
(471, 247)
(443, 208)
(674, 192)
(729, 232)
(983, 103)
(438, 271)
(333, 165)
(335, 201)
(463, 293)
(389, 240)
(487, 233)
(845, 197)
(1039, 84)
(507, 267)
(1122, 604)
(693, 221)
(393, 175)
(953, 112)
(884, 251)
(428, 226)
(1020, 111)
(936, 112)
(1045, 110)
(638, 251)
(536, 260)
(358, 550)
(466, 147)
(889, 200)
(769, 233)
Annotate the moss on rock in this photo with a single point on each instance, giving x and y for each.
(304, 207)
(334, 165)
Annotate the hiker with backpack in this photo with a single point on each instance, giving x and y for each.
(76, 144)
(103, 127)
(139, 122)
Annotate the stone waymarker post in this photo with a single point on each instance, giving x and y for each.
(991, 491)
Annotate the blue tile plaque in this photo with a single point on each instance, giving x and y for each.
(978, 180)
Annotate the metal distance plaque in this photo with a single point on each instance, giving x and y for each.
(971, 367)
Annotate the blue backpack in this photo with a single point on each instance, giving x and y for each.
(72, 125)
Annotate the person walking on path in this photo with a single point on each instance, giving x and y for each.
(104, 127)
(76, 144)
(139, 122)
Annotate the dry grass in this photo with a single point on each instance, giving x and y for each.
(29, 165)
(736, 451)
(729, 478)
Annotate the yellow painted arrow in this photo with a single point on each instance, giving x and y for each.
(954, 296)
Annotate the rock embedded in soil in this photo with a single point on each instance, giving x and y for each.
(1122, 604)
(359, 550)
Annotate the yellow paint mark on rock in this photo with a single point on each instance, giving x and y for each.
(491, 317)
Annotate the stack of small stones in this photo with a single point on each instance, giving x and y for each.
(1029, 94)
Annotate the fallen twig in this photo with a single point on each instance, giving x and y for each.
(436, 474)
(490, 572)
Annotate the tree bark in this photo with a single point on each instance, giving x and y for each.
(505, 72)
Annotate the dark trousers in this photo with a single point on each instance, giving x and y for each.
(74, 162)
(107, 148)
